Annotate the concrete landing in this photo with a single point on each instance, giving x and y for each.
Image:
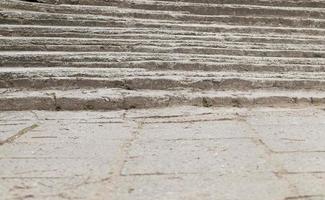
(170, 153)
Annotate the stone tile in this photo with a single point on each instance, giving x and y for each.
(285, 116)
(302, 162)
(88, 131)
(17, 116)
(290, 130)
(309, 184)
(11, 128)
(180, 111)
(195, 156)
(34, 167)
(288, 138)
(53, 188)
(79, 116)
(195, 130)
(181, 154)
(238, 186)
(61, 149)
(13, 122)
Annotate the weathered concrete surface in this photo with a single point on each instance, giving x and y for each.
(170, 153)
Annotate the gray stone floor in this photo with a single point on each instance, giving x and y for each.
(171, 153)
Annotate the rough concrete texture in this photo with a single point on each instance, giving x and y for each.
(122, 54)
(168, 153)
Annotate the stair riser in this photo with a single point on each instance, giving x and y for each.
(153, 33)
(193, 11)
(187, 50)
(179, 66)
(140, 102)
(162, 84)
(166, 40)
(14, 18)
(284, 3)
(46, 59)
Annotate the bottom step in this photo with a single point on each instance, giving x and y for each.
(115, 99)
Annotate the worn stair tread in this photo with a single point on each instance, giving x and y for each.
(122, 54)
(178, 65)
(167, 9)
(157, 80)
(29, 17)
(163, 46)
(283, 3)
(222, 39)
(159, 61)
(112, 99)
(129, 54)
(106, 32)
(116, 92)
(120, 73)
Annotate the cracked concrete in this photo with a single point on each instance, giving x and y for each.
(166, 153)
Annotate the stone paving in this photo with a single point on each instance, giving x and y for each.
(168, 153)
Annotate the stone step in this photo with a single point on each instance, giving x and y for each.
(40, 58)
(230, 51)
(180, 50)
(284, 3)
(216, 40)
(178, 65)
(162, 46)
(115, 99)
(123, 54)
(185, 33)
(175, 10)
(199, 22)
(137, 79)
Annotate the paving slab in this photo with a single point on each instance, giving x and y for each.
(195, 156)
(164, 153)
(204, 186)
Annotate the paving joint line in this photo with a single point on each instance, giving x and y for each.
(18, 134)
(281, 171)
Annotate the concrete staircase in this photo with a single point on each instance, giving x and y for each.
(123, 54)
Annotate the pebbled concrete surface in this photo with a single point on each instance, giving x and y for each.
(169, 153)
